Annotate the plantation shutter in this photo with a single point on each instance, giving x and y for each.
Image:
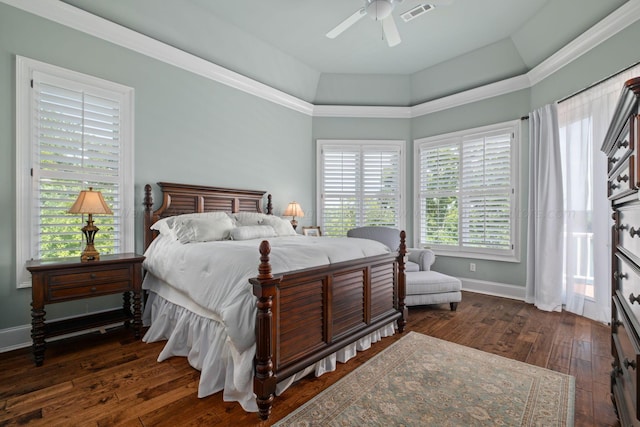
(380, 187)
(341, 204)
(486, 195)
(439, 184)
(467, 194)
(360, 185)
(76, 144)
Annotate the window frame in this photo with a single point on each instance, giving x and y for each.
(25, 186)
(458, 138)
(355, 144)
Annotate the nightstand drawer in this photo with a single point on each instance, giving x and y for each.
(63, 292)
(90, 276)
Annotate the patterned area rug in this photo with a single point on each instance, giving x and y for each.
(424, 381)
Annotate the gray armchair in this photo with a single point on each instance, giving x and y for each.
(424, 286)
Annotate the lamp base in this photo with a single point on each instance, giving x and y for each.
(294, 224)
(90, 254)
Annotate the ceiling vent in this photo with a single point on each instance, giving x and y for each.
(416, 11)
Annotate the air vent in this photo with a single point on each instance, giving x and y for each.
(416, 11)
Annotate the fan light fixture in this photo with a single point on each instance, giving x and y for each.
(379, 9)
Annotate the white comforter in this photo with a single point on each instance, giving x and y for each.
(214, 275)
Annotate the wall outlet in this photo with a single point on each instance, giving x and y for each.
(472, 266)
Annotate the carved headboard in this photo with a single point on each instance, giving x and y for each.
(180, 199)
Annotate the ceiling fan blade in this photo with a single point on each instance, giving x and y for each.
(391, 31)
(346, 23)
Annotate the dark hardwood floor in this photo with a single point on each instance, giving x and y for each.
(113, 379)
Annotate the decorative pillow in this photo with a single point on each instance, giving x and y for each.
(249, 218)
(281, 226)
(164, 226)
(248, 232)
(202, 227)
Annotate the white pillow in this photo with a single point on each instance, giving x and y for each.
(247, 232)
(281, 226)
(164, 226)
(249, 218)
(203, 228)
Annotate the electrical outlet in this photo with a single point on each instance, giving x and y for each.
(472, 266)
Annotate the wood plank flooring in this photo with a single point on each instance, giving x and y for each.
(112, 379)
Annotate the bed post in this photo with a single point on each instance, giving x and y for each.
(269, 205)
(264, 287)
(148, 216)
(402, 291)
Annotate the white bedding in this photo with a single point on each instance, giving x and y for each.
(205, 298)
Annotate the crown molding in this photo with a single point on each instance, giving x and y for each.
(77, 19)
(491, 90)
(612, 24)
(85, 22)
(368, 112)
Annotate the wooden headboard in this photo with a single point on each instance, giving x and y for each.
(178, 199)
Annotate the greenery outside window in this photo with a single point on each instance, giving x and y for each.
(466, 192)
(74, 131)
(360, 183)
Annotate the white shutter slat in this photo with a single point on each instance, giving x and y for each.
(77, 145)
(481, 164)
(360, 186)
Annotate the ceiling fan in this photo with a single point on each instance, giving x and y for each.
(381, 10)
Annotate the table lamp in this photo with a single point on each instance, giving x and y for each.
(294, 210)
(90, 202)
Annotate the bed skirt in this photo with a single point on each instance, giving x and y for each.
(207, 347)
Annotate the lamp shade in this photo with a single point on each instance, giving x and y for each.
(90, 202)
(294, 209)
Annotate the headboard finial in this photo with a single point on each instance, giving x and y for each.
(269, 205)
(148, 198)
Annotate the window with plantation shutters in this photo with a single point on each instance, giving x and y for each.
(76, 132)
(466, 192)
(360, 183)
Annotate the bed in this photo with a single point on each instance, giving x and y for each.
(304, 313)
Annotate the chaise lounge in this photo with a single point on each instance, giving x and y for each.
(424, 286)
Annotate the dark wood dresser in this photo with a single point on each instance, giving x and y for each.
(623, 183)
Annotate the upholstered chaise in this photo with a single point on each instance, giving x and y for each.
(424, 286)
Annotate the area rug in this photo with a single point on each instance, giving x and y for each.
(425, 381)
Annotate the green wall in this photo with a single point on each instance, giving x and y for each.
(603, 60)
(187, 129)
(191, 129)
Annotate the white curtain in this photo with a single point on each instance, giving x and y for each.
(583, 122)
(545, 219)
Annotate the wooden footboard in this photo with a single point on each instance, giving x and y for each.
(306, 315)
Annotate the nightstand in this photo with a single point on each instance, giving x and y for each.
(67, 279)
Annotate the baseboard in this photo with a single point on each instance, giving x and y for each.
(15, 338)
(20, 336)
(493, 288)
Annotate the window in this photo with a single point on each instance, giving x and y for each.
(73, 132)
(360, 183)
(466, 192)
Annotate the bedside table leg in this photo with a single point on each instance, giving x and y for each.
(37, 334)
(126, 305)
(137, 314)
